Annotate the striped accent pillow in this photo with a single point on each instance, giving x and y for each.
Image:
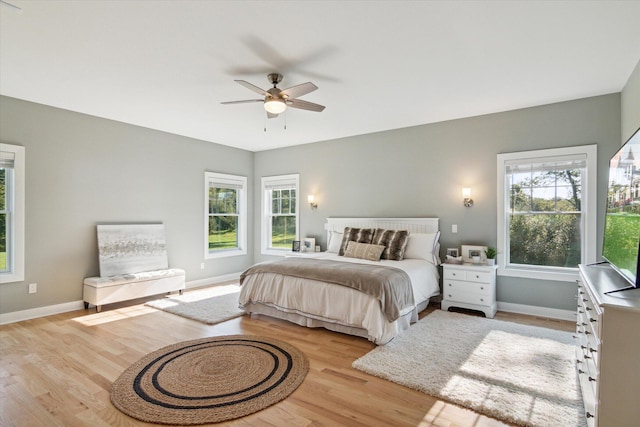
(394, 241)
(358, 235)
(364, 251)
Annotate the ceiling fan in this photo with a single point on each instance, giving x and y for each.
(276, 100)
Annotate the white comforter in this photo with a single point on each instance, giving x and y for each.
(327, 304)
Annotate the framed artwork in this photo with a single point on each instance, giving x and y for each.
(131, 248)
(309, 244)
(453, 252)
(295, 246)
(469, 254)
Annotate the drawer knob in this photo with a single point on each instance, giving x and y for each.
(580, 371)
(592, 379)
(453, 274)
(588, 308)
(593, 350)
(590, 415)
(482, 299)
(477, 277)
(449, 295)
(593, 320)
(482, 288)
(449, 284)
(587, 332)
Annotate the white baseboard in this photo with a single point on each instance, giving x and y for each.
(532, 310)
(211, 280)
(49, 310)
(33, 313)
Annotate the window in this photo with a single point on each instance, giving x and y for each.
(12, 167)
(547, 212)
(225, 225)
(280, 202)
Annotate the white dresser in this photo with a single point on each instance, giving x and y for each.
(469, 286)
(608, 350)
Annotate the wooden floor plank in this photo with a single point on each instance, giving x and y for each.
(57, 371)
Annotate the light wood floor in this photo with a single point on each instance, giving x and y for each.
(58, 370)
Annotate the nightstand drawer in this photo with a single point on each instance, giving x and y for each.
(459, 295)
(457, 286)
(454, 274)
(470, 276)
(479, 276)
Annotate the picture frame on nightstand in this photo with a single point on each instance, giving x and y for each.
(309, 244)
(295, 246)
(470, 251)
(453, 252)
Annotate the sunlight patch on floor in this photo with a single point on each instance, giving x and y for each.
(114, 315)
(446, 414)
(201, 294)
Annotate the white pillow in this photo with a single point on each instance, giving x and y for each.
(335, 240)
(423, 246)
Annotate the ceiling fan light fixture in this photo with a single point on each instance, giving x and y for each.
(275, 105)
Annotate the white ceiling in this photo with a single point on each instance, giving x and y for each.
(379, 65)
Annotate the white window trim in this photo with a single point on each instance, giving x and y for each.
(589, 213)
(16, 269)
(242, 211)
(265, 209)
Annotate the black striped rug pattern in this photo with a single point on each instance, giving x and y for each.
(209, 380)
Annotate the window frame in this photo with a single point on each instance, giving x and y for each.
(589, 191)
(293, 179)
(221, 179)
(16, 217)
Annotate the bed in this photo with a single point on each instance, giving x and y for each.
(298, 288)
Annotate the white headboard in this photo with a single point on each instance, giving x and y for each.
(413, 225)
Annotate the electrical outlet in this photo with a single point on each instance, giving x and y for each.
(454, 228)
(33, 288)
(202, 265)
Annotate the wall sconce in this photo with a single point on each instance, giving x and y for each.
(311, 199)
(466, 194)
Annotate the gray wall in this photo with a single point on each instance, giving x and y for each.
(420, 171)
(82, 170)
(631, 104)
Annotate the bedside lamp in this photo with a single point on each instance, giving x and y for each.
(466, 194)
(311, 199)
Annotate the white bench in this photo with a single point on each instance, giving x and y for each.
(106, 290)
(133, 264)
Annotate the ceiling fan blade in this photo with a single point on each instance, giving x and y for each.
(252, 87)
(298, 91)
(304, 105)
(243, 102)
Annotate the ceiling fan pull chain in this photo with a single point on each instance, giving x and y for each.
(285, 119)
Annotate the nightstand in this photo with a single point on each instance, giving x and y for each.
(471, 286)
(302, 254)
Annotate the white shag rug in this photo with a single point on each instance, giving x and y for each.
(525, 375)
(211, 305)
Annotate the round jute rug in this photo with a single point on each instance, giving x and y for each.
(209, 380)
